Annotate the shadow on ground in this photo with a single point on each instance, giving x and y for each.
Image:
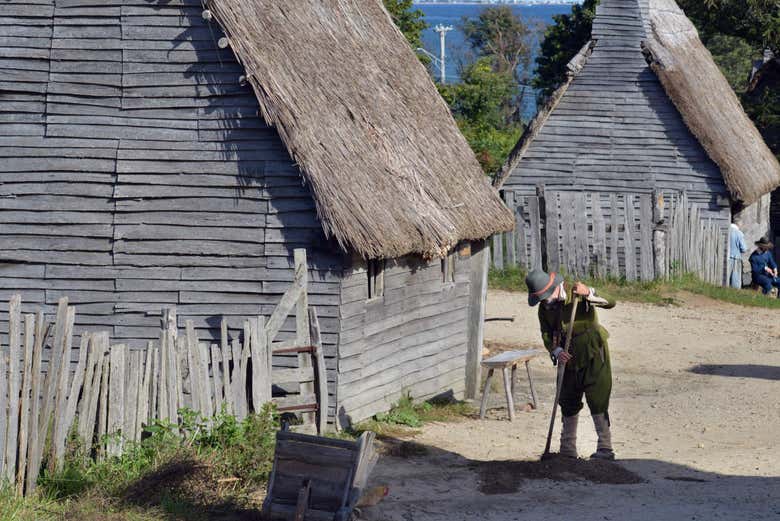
(761, 372)
(188, 490)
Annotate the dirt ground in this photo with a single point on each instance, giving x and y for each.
(696, 424)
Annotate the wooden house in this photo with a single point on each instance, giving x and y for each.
(641, 158)
(157, 153)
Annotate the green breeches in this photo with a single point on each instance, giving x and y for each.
(594, 381)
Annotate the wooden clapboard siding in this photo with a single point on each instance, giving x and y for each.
(413, 338)
(616, 130)
(136, 173)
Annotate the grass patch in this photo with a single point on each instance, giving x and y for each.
(659, 292)
(406, 416)
(197, 470)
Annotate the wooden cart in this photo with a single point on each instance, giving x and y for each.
(316, 478)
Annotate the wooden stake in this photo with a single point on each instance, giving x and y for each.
(24, 421)
(14, 385)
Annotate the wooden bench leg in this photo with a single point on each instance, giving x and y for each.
(510, 403)
(485, 393)
(514, 379)
(531, 383)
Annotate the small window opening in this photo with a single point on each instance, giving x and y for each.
(376, 278)
(448, 268)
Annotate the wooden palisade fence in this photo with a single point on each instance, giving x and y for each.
(628, 236)
(114, 391)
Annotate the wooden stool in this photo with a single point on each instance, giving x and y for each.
(506, 361)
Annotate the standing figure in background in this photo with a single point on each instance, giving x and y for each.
(737, 247)
(764, 267)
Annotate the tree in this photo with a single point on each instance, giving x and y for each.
(410, 22)
(478, 105)
(562, 41)
(755, 21)
(503, 36)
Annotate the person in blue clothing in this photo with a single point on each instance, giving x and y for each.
(737, 247)
(764, 267)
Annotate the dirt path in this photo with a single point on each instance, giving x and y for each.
(696, 418)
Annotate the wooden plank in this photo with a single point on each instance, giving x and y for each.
(34, 450)
(535, 254)
(87, 424)
(69, 413)
(582, 249)
(239, 394)
(302, 331)
(511, 236)
(207, 398)
(193, 362)
(218, 391)
(246, 353)
(320, 371)
(646, 234)
(174, 384)
(478, 267)
(498, 250)
(3, 408)
(568, 234)
(163, 401)
(131, 396)
(289, 299)
(145, 397)
(521, 230)
(116, 398)
(599, 236)
(227, 382)
(614, 263)
(628, 238)
(27, 385)
(552, 231)
(14, 385)
(102, 428)
(61, 384)
(261, 370)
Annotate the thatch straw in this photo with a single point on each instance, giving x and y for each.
(389, 170)
(708, 105)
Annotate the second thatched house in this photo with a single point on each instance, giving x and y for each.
(642, 157)
(155, 154)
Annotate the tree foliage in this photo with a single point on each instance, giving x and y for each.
(755, 21)
(498, 33)
(410, 21)
(478, 105)
(562, 41)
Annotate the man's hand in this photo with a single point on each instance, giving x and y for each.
(581, 289)
(564, 357)
(769, 270)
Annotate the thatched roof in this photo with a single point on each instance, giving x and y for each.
(708, 104)
(388, 168)
(692, 81)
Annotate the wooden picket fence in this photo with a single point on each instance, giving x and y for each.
(598, 234)
(115, 391)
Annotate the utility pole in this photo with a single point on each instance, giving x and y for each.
(443, 30)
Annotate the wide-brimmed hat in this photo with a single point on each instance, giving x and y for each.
(764, 243)
(541, 285)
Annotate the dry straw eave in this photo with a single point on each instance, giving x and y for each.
(388, 168)
(707, 103)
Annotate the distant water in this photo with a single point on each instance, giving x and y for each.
(458, 51)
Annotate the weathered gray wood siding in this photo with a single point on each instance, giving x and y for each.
(616, 130)
(135, 173)
(413, 339)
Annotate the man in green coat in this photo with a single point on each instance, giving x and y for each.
(588, 369)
